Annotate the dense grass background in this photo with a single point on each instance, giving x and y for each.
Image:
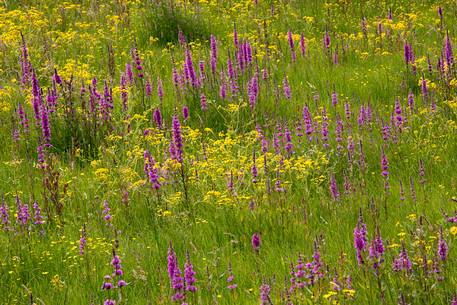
(86, 39)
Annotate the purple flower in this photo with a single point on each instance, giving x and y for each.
(177, 139)
(398, 114)
(424, 87)
(26, 65)
(442, 246)
(286, 88)
(4, 215)
(230, 279)
(158, 117)
(360, 239)
(334, 188)
(255, 242)
(189, 275)
(23, 120)
(172, 261)
(177, 284)
(82, 241)
(38, 218)
(402, 262)
(448, 53)
(107, 285)
(45, 127)
(307, 119)
(203, 103)
(327, 40)
(106, 213)
(253, 90)
(213, 59)
(137, 60)
(150, 170)
(148, 87)
(290, 39)
(129, 72)
(265, 294)
(159, 89)
(384, 165)
(334, 98)
(185, 112)
(189, 65)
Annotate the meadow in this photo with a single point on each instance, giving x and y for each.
(228, 152)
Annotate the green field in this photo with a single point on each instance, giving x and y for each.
(228, 152)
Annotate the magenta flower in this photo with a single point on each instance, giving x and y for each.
(255, 242)
(290, 39)
(360, 239)
(442, 246)
(265, 294)
(286, 88)
(189, 275)
(402, 262)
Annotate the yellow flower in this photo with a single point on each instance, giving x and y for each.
(453, 230)
(349, 292)
(329, 294)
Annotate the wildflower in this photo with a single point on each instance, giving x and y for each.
(171, 261)
(158, 117)
(129, 72)
(177, 285)
(442, 246)
(360, 239)
(46, 129)
(106, 213)
(107, 285)
(286, 88)
(177, 139)
(384, 165)
(334, 188)
(265, 294)
(23, 120)
(26, 65)
(137, 60)
(213, 58)
(448, 53)
(308, 122)
(327, 40)
(185, 112)
(255, 242)
(159, 89)
(334, 98)
(38, 218)
(150, 170)
(253, 90)
(4, 215)
(189, 275)
(402, 262)
(230, 279)
(148, 87)
(203, 103)
(191, 77)
(398, 112)
(82, 241)
(292, 46)
(411, 101)
(41, 157)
